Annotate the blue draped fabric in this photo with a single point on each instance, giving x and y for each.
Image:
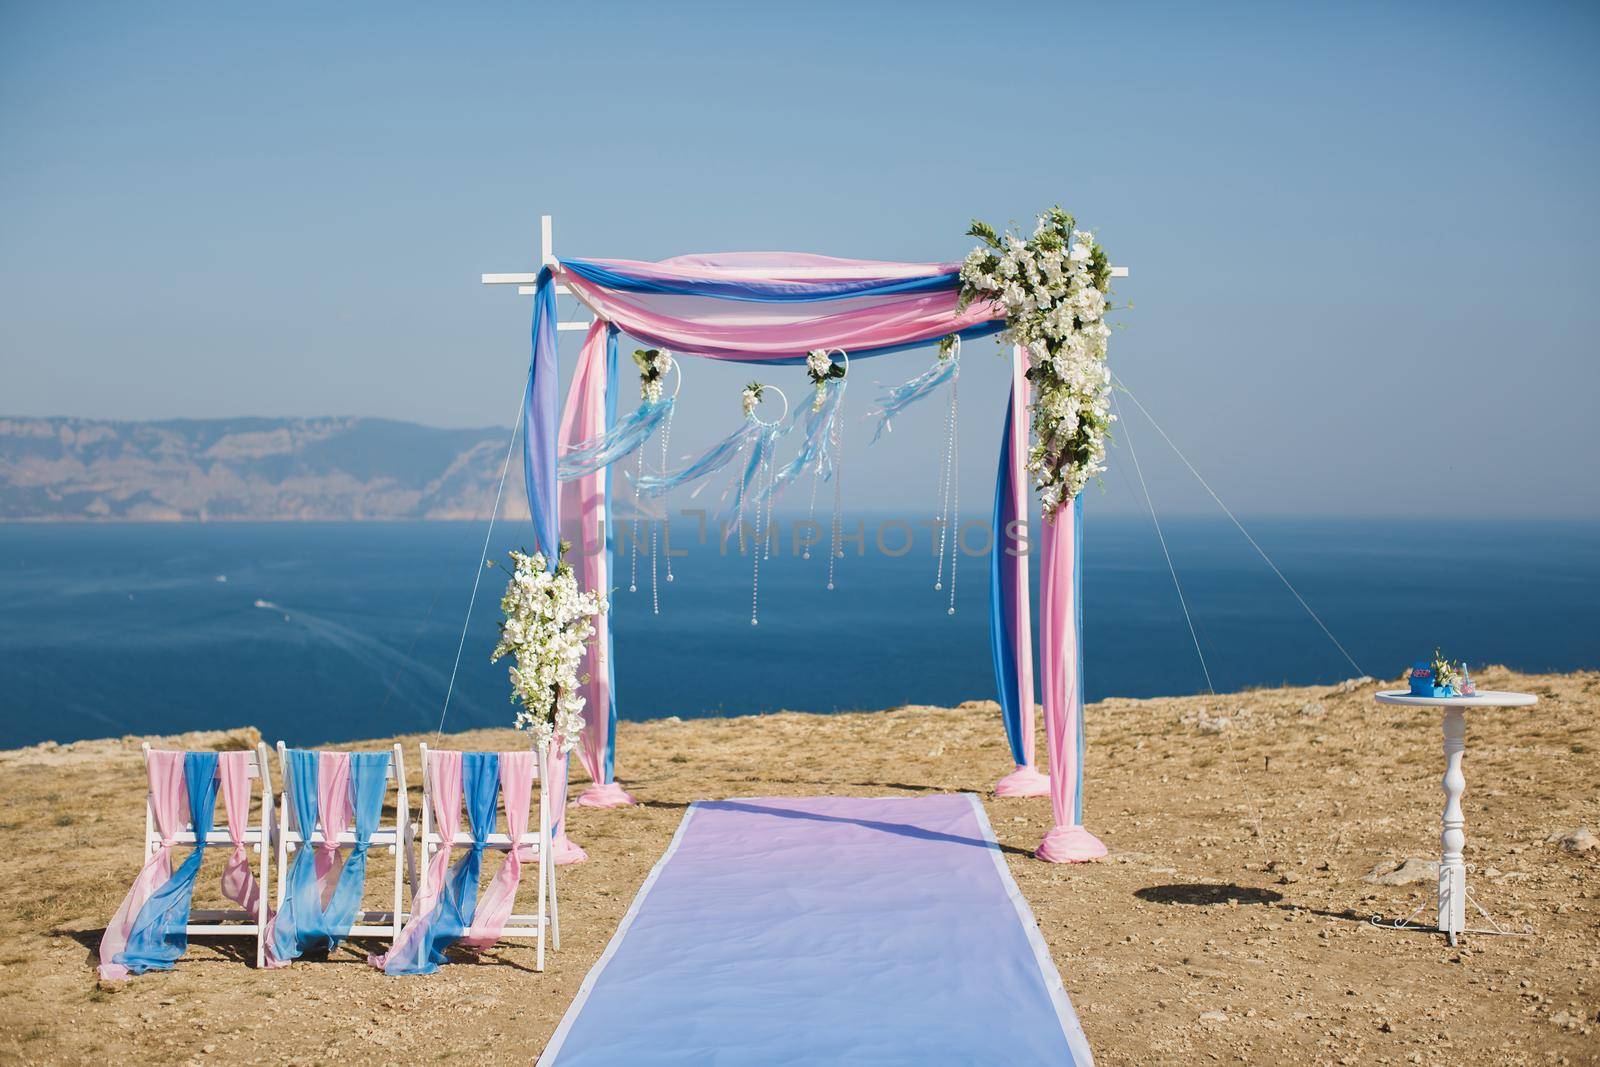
(613, 388)
(1003, 640)
(617, 277)
(1077, 608)
(893, 401)
(706, 463)
(458, 897)
(299, 922)
(814, 450)
(369, 773)
(619, 439)
(541, 421)
(158, 938)
(748, 489)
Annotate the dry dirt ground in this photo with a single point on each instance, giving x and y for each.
(1230, 923)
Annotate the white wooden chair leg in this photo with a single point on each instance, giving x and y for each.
(399, 883)
(555, 912)
(283, 844)
(399, 842)
(264, 881)
(544, 851)
(268, 832)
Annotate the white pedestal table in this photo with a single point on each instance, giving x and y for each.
(1453, 896)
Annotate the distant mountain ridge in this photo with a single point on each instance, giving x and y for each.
(178, 470)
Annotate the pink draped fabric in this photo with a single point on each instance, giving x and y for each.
(170, 805)
(1066, 842)
(583, 526)
(725, 329)
(563, 850)
(336, 811)
(238, 881)
(497, 902)
(1025, 781)
(444, 784)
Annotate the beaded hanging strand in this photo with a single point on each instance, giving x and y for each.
(827, 374)
(657, 525)
(811, 513)
(956, 483)
(941, 518)
(633, 549)
(948, 518)
(762, 479)
(652, 364)
(763, 488)
(666, 435)
(836, 551)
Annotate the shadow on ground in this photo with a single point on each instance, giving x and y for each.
(1204, 894)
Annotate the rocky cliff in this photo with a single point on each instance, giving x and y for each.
(250, 469)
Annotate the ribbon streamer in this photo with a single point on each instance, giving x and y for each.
(814, 447)
(620, 441)
(895, 400)
(711, 460)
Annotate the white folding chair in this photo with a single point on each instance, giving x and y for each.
(229, 922)
(395, 839)
(519, 925)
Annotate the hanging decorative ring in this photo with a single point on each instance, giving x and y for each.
(781, 396)
(676, 366)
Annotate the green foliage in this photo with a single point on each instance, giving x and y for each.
(985, 233)
(647, 360)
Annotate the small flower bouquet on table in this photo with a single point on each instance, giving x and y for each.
(548, 623)
(1438, 678)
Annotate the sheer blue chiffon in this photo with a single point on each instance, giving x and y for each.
(158, 938)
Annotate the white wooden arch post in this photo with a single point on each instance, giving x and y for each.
(527, 285)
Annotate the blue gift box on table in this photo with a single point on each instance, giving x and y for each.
(1422, 682)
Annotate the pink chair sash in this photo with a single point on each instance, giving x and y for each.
(238, 881)
(563, 849)
(496, 903)
(170, 805)
(444, 783)
(336, 811)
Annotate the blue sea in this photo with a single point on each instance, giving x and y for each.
(320, 632)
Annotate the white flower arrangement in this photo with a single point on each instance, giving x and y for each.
(1444, 672)
(653, 364)
(821, 369)
(751, 398)
(548, 622)
(1053, 288)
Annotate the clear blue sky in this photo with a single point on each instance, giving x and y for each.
(1363, 239)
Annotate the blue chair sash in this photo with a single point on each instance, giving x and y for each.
(158, 938)
(304, 923)
(458, 898)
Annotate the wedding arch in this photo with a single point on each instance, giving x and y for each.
(1044, 293)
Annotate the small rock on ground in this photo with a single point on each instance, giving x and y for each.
(1408, 872)
(1579, 840)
